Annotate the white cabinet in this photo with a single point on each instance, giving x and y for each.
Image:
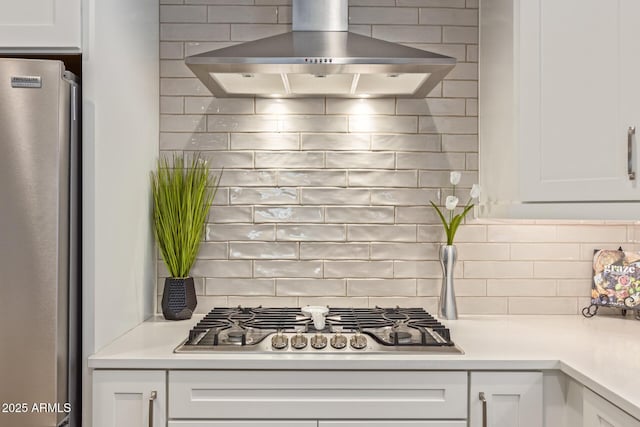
(598, 412)
(129, 398)
(558, 93)
(508, 399)
(40, 25)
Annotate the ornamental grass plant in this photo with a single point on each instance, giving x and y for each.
(183, 192)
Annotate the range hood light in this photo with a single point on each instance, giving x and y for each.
(320, 57)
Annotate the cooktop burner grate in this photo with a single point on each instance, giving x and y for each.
(348, 329)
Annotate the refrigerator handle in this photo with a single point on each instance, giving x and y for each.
(75, 272)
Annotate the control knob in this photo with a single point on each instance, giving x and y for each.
(298, 341)
(358, 341)
(279, 341)
(318, 341)
(338, 341)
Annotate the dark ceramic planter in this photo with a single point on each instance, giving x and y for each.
(179, 298)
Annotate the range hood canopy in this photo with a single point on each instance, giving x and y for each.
(320, 58)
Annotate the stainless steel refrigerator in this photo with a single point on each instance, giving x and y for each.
(39, 257)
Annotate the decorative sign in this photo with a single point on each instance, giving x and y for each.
(616, 279)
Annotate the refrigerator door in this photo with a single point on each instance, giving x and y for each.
(34, 241)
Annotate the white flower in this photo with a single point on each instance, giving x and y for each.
(475, 191)
(454, 177)
(451, 202)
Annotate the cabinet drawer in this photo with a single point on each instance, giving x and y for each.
(255, 423)
(392, 423)
(318, 394)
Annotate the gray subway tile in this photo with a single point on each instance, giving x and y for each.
(208, 268)
(381, 287)
(382, 15)
(310, 287)
(360, 215)
(361, 160)
(358, 269)
(299, 214)
(208, 105)
(290, 106)
(403, 196)
(335, 141)
(381, 233)
(396, 124)
(263, 250)
(194, 32)
(404, 251)
(360, 106)
(383, 179)
(193, 141)
(227, 232)
(230, 214)
(392, 142)
(243, 14)
(229, 286)
(289, 160)
(319, 251)
(264, 141)
(248, 178)
(312, 178)
(263, 196)
(441, 161)
(335, 196)
(314, 233)
(287, 269)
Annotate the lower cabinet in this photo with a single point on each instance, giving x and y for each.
(130, 398)
(506, 399)
(598, 412)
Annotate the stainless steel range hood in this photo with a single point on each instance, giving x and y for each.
(320, 58)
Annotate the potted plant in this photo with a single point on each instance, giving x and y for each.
(182, 196)
(448, 253)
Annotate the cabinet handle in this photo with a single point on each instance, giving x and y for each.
(630, 133)
(483, 399)
(152, 397)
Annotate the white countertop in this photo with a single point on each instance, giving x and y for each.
(603, 353)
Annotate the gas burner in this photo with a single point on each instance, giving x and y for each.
(347, 330)
(400, 337)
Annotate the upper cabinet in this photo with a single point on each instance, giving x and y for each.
(559, 102)
(40, 26)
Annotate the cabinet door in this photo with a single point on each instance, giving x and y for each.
(511, 399)
(598, 412)
(573, 80)
(392, 423)
(124, 398)
(40, 25)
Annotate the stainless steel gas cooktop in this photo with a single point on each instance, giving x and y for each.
(346, 330)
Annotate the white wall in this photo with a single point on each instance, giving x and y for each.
(120, 145)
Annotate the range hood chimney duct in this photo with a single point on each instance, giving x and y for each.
(320, 58)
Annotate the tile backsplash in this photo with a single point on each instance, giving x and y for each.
(325, 201)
